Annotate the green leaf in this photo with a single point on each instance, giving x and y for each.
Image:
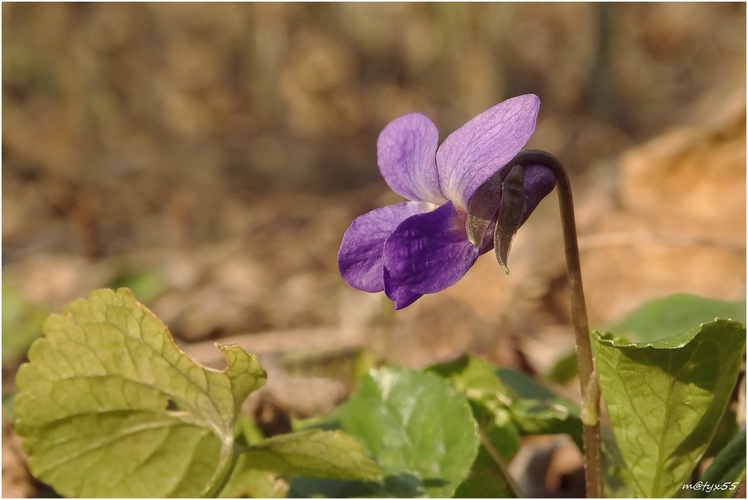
(246, 431)
(537, 410)
(486, 479)
(534, 408)
(564, 370)
(414, 422)
(108, 405)
(473, 376)
(403, 485)
(311, 453)
(665, 399)
(247, 482)
(489, 400)
(315, 453)
(146, 284)
(500, 439)
(22, 323)
(727, 469)
(672, 314)
(655, 319)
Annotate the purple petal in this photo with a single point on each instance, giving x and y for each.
(429, 252)
(360, 255)
(539, 182)
(406, 154)
(401, 297)
(475, 151)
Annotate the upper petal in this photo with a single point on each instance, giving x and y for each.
(360, 255)
(475, 151)
(406, 154)
(430, 251)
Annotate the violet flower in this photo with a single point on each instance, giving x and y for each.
(421, 246)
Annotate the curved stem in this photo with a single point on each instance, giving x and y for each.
(587, 374)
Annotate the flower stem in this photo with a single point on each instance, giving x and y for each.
(587, 374)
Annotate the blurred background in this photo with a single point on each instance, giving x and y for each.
(210, 158)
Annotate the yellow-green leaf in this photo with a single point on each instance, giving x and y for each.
(109, 406)
(314, 453)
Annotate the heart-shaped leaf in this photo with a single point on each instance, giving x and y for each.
(675, 313)
(665, 399)
(109, 406)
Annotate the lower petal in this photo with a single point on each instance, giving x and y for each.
(401, 297)
(429, 252)
(360, 255)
